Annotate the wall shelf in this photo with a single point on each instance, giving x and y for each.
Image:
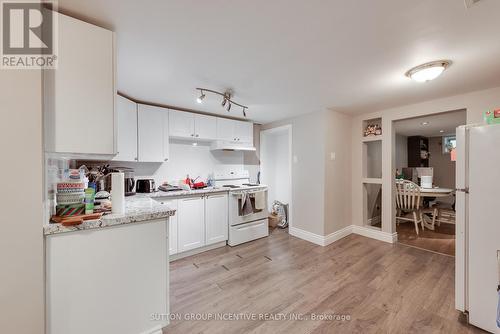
(371, 138)
(372, 180)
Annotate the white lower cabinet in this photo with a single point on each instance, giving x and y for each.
(199, 221)
(173, 240)
(216, 218)
(191, 223)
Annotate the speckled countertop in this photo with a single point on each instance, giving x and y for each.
(180, 193)
(137, 209)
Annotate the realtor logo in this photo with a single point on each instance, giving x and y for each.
(28, 35)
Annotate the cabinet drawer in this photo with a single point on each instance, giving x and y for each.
(247, 232)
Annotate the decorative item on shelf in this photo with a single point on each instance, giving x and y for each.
(492, 117)
(373, 130)
(226, 99)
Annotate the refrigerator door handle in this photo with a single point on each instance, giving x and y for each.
(464, 190)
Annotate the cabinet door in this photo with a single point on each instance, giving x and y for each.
(205, 127)
(225, 129)
(173, 245)
(191, 223)
(150, 133)
(216, 218)
(181, 124)
(79, 96)
(243, 132)
(166, 135)
(126, 130)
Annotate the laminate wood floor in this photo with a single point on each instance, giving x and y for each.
(383, 288)
(441, 240)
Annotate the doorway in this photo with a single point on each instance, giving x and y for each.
(276, 166)
(425, 152)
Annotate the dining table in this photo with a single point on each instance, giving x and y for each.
(435, 192)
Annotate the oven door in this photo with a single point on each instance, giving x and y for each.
(236, 206)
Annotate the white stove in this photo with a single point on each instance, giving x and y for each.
(248, 216)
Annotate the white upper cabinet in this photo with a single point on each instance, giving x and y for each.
(205, 127)
(234, 131)
(166, 135)
(225, 129)
(126, 127)
(181, 124)
(186, 125)
(150, 122)
(79, 96)
(216, 218)
(243, 132)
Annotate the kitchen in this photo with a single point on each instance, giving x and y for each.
(141, 169)
(193, 177)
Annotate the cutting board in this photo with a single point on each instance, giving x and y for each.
(75, 220)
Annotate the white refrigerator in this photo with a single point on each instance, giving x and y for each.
(478, 224)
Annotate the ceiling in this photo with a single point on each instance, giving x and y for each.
(447, 122)
(284, 58)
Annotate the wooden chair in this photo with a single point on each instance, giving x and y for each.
(409, 200)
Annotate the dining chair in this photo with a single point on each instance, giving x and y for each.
(409, 200)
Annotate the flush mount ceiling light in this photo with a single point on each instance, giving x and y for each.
(425, 123)
(428, 71)
(226, 99)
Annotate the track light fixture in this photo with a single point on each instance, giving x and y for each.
(226, 99)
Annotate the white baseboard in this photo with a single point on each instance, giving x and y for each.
(374, 233)
(332, 237)
(320, 240)
(178, 256)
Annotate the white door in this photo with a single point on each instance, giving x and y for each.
(205, 127)
(126, 127)
(225, 129)
(243, 132)
(483, 226)
(173, 244)
(79, 95)
(216, 218)
(150, 133)
(181, 124)
(191, 223)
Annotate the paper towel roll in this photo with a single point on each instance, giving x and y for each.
(118, 193)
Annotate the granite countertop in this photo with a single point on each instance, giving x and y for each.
(137, 209)
(179, 193)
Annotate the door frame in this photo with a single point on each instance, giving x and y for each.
(263, 137)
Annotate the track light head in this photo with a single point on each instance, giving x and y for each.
(229, 106)
(201, 97)
(224, 102)
(244, 112)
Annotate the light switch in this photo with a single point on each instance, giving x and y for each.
(333, 156)
(295, 159)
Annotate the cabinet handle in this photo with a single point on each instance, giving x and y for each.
(166, 159)
(136, 159)
(197, 136)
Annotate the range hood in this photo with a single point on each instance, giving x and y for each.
(221, 145)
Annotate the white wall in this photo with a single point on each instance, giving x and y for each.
(337, 171)
(187, 159)
(21, 238)
(308, 146)
(276, 161)
(321, 186)
(475, 103)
